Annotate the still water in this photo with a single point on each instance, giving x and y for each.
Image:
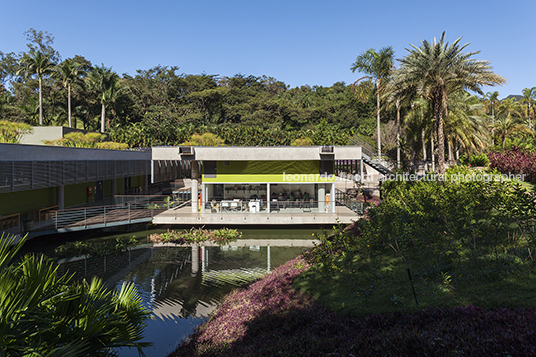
(182, 286)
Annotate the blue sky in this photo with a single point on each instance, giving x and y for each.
(297, 42)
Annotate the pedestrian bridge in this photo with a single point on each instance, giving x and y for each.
(165, 210)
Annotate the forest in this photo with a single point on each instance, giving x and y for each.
(162, 106)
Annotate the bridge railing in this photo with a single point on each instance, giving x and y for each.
(127, 212)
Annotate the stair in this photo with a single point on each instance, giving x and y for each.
(368, 152)
(375, 165)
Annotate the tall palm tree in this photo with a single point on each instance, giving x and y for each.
(510, 107)
(68, 73)
(529, 97)
(378, 66)
(438, 68)
(464, 125)
(102, 79)
(507, 126)
(492, 99)
(40, 64)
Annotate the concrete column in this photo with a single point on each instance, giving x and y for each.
(195, 260)
(332, 195)
(60, 196)
(268, 198)
(321, 199)
(195, 174)
(268, 258)
(203, 265)
(361, 170)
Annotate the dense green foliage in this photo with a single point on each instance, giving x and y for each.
(44, 314)
(161, 106)
(12, 132)
(89, 140)
(463, 242)
(79, 248)
(197, 235)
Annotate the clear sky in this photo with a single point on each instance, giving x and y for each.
(298, 42)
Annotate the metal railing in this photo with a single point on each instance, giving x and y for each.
(348, 200)
(135, 210)
(298, 206)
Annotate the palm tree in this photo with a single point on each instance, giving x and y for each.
(491, 101)
(114, 92)
(40, 64)
(102, 79)
(43, 313)
(510, 107)
(464, 125)
(378, 66)
(436, 69)
(68, 73)
(529, 97)
(507, 126)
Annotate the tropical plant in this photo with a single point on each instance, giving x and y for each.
(464, 124)
(104, 81)
(507, 126)
(515, 161)
(491, 103)
(206, 139)
(45, 314)
(40, 64)
(436, 69)
(197, 235)
(378, 66)
(68, 73)
(510, 107)
(11, 132)
(529, 97)
(302, 141)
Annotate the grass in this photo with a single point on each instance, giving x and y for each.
(469, 248)
(270, 318)
(389, 288)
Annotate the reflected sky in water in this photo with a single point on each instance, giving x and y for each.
(182, 286)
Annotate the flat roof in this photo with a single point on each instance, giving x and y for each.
(24, 152)
(259, 153)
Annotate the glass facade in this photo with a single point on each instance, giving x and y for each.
(268, 187)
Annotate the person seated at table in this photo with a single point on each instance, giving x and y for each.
(306, 196)
(215, 206)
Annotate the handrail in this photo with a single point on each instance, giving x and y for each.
(44, 213)
(348, 201)
(109, 215)
(13, 220)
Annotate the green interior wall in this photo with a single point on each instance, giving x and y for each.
(267, 171)
(267, 167)
(24, 201)
(76, 194)
(120, 186)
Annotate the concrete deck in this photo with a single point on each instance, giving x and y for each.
(185, 216)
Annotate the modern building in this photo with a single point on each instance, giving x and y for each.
(260, 185)
(36, 180)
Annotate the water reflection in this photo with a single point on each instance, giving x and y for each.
(182, 286)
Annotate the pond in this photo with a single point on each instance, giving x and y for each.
(183, 285)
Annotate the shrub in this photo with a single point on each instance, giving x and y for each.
(206, 139)
(515, 161)
(11, 132)
(475, 160)
(197, 235)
